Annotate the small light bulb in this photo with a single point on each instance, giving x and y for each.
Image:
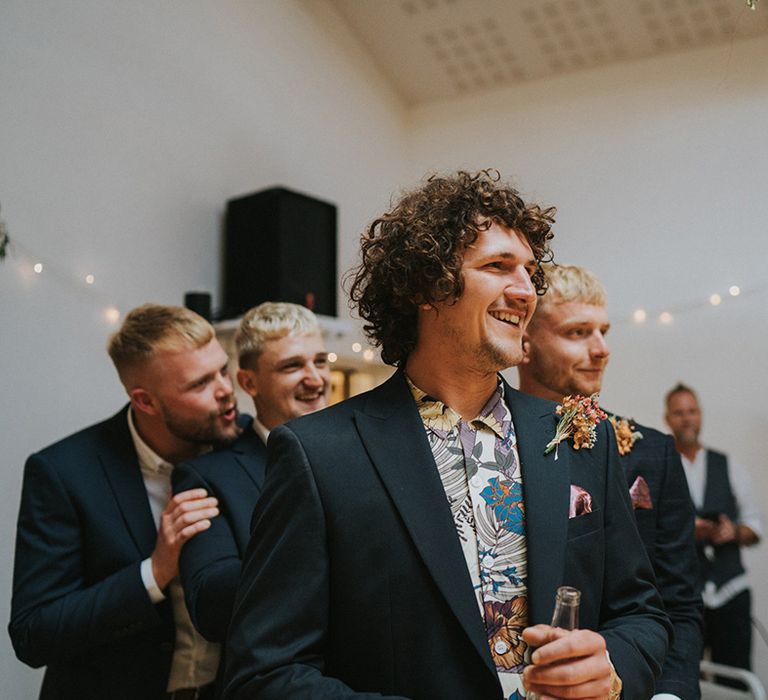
(639, 316)
(368, 354)
(715, 299)
(332, 357)
(112, 314)
(665, 317)
(734, 291)
(90, 279)
(356, 347)
(38, 267)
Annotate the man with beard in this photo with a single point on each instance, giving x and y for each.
(566, 353)
(284, 369)
(96, 596)
(727, 519)
(412, 538)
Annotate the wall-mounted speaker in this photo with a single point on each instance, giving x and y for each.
(280, 246)
(199, 302)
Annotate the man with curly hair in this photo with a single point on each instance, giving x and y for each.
(410, 540)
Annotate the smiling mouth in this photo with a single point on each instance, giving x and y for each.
(311, 396)
(506, 317)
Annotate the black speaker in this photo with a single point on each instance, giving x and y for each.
(199, 302)
(280, 246)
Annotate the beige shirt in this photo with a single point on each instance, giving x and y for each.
(195, 659)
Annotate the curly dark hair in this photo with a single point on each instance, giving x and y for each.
(413, 254)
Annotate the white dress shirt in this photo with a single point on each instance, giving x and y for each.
(260, 430)
(195, 659)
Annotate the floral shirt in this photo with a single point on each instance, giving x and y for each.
(480, 470)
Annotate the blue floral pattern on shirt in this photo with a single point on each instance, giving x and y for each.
(480, 470)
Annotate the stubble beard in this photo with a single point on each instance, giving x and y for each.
(207, 432)
(689, 437)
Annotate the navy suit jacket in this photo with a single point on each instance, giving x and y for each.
(79, 606)
(667, 533)
(354, 583)
(210, 562)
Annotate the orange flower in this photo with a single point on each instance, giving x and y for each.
(579, 416)
(626, 435)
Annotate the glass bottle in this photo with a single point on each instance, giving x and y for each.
(565, 616)
(566, 613)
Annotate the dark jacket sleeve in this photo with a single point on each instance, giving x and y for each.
(56, 613)
(209, 565)
(676, 568)
(278, 629)
(634, 624)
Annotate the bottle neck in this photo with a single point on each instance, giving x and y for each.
(566, 614)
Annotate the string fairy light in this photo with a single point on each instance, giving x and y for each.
(666, 316)
(31, 262)
(111, 312)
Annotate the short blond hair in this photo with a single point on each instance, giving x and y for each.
(571, 283)
(153, 328)
(271, 320)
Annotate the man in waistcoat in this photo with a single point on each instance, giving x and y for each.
(726, 520)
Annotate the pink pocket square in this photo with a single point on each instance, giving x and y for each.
(640, 494)
(581, 502)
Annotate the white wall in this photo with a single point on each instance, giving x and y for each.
(124, 127)
(658, 170)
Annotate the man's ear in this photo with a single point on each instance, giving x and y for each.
(526, 350)
(143, 401)
(248, 382)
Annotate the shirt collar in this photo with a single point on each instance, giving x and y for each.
(441, 418)
(260, 430)
(149, 461)
(697, 462)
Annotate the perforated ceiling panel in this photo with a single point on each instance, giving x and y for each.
(432, 49)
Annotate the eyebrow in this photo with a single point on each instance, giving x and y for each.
(203, 377)
(505, 255)
(572, 323)
(299, 358)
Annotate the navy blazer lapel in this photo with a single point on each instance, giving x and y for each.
(546, 485)
(407, 468)
(121, 466)
(251, 454)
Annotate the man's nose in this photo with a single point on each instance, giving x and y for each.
(313, 376)
(223, 386)
(599, 348)
(520, 287)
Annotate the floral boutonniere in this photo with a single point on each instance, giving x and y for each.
(626, 434)
(579, 416)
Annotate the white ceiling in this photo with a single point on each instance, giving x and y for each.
(437, 49)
